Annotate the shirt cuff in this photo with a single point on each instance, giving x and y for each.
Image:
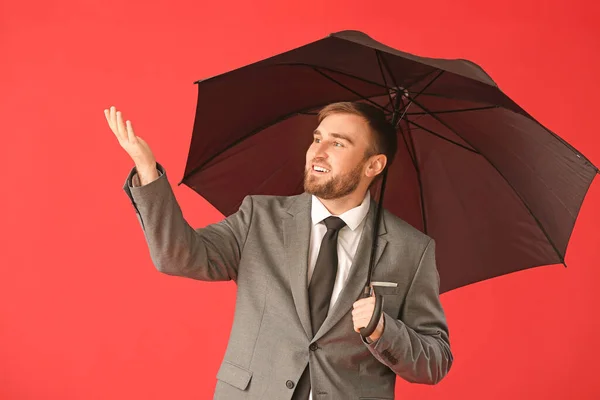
(369, 341)
(135, 179)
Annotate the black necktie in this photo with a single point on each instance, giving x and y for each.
(319, 291)
(323, 278)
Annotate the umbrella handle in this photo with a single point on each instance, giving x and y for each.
(370, 328)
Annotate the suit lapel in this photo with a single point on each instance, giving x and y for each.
(357, 278)
(296, 238)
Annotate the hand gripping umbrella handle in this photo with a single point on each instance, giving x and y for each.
(370, 328)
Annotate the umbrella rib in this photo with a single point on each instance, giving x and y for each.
(304, 110)
(250, 134)
(446, 96)
(526, 115)
(389, 70)
(424, 88)
(564, 142)
(320, 67)
(502, 175)
(454, 111)
(437, 112)
(407, 88)
(350, 90)
(412, 158)
(378, 56)
(413, 153)
(387, 67)
(419, 79)
(240, 140)
(442, 137)
(421, 195)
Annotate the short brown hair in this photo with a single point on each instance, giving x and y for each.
(384, 133)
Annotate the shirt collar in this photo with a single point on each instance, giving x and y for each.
(352, 217)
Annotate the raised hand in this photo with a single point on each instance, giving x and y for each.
(135, 146)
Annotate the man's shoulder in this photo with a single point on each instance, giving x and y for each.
(272, 203)
(399, 227)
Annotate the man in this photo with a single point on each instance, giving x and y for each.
(300, 264)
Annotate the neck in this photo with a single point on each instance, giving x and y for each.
(341, 205)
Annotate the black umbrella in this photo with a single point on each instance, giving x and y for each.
(497, 191)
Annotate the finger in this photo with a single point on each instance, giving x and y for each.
(113, 122)
(360, 302)
(109, 119)
(359, 324)
(357, 308)
(130, 135)
(121, 124)
(364, 315)
(107, 116)
(363, 302)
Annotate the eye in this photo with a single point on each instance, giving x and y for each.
(317, 140)
(340, 145)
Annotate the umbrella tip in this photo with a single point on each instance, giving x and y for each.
(347, 32)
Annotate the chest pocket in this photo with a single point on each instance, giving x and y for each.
(392, 301)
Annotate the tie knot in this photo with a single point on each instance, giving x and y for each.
(334, 223)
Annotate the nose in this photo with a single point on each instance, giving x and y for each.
(320, 150)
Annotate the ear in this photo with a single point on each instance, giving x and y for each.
(376, 165)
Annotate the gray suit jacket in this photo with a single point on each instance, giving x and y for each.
(263, 247)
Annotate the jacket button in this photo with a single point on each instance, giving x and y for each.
(313, 346)
(289, 384)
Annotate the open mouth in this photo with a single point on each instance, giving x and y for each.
(320, 170)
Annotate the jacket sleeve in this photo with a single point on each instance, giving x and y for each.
(211, 253)
(416, 345)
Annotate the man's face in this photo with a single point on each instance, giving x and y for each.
(340, 145)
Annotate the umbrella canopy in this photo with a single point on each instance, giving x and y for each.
(497, 190)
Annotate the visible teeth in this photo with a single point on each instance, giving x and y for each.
(320, 169)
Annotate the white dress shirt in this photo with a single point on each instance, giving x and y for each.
(348, 238)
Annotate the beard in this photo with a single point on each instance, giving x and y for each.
(334, 187)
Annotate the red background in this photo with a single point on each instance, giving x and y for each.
(83, 312)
